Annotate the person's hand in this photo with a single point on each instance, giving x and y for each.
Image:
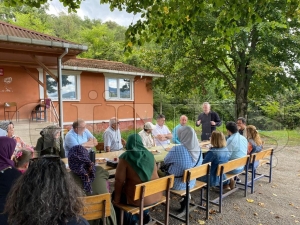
(160, 137)
(198, 122)
(213, 123)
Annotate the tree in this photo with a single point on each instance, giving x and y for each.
(248, 44)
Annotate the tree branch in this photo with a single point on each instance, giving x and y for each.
(231, 86)
(227, 67)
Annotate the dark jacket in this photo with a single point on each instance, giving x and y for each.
(39, 148)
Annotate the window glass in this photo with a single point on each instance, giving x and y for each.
(113, 88)
(69, 87)
(125, 88)
(118, 88)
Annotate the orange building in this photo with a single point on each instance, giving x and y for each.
(94, 90)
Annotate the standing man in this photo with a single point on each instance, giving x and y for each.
(112, 136)
(241, 124)
(182, 122)
(209, 120)
(146, 135)
(79, 135)
(161, 133)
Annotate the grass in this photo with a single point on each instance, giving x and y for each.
(278, 137)
(281, 137)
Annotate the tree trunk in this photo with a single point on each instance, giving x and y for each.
(242, 88)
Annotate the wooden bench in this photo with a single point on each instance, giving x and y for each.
(146, 189)
(96, 207)
(265, 158)
(188, 175)
(226, 168)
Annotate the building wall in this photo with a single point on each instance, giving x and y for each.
(23, 89)
(17, 86)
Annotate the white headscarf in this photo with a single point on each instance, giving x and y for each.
(189, 140)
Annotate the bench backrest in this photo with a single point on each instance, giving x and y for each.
(262, 155)
(232, 164)
(154, 186)
(94, 206)
(196, 172)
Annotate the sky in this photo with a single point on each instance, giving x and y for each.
(93, 10)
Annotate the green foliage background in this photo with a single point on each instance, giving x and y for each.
(189, 81)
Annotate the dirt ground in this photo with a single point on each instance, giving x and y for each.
(277, 202)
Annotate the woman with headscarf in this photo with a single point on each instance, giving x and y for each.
(184, 156)
(51, 142)
(136, 165)
(8, 126)
(93, 179)
(8, 173)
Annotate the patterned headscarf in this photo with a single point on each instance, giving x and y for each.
(4, 125)
(7, 147)
(82, 166)
(189, 140)
(49, 134)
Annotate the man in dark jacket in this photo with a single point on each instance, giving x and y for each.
(209, 120)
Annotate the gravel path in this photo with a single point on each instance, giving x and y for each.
(277, 202)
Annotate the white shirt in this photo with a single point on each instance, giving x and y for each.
(161, 130)
(112, 138)
(148, 140)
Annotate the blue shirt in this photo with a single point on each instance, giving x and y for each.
(72, 139)
(216, 156)
(180, 160)
(175, 139)
(237, 146)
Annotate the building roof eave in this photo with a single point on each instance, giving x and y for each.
(31, 41)
(111, 71)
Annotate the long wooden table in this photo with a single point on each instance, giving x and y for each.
(159, 153)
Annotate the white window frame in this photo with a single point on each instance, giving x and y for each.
(64, 72)
(118, 76)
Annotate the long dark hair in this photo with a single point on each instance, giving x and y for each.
(45, 194)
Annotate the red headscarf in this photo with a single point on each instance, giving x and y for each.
(7, 147)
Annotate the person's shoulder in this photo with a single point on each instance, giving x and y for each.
(12, 173)
(70, 133)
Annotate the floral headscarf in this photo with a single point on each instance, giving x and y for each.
(82, 166)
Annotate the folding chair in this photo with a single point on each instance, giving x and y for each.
(188, 175)
(96, 207)
(146, 189)
(11, 107)
(225, 168)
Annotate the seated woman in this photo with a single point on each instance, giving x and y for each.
(50, 142)
(136, 165)
(216, 155)
(92, 179)
(255, 144)
(21, 159)
(8, 126)
(8, 173)
(184, 156)
(45, 193)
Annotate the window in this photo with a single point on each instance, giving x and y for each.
(120, 89)
(70, 85)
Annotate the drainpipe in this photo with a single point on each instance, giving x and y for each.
(61, 112)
